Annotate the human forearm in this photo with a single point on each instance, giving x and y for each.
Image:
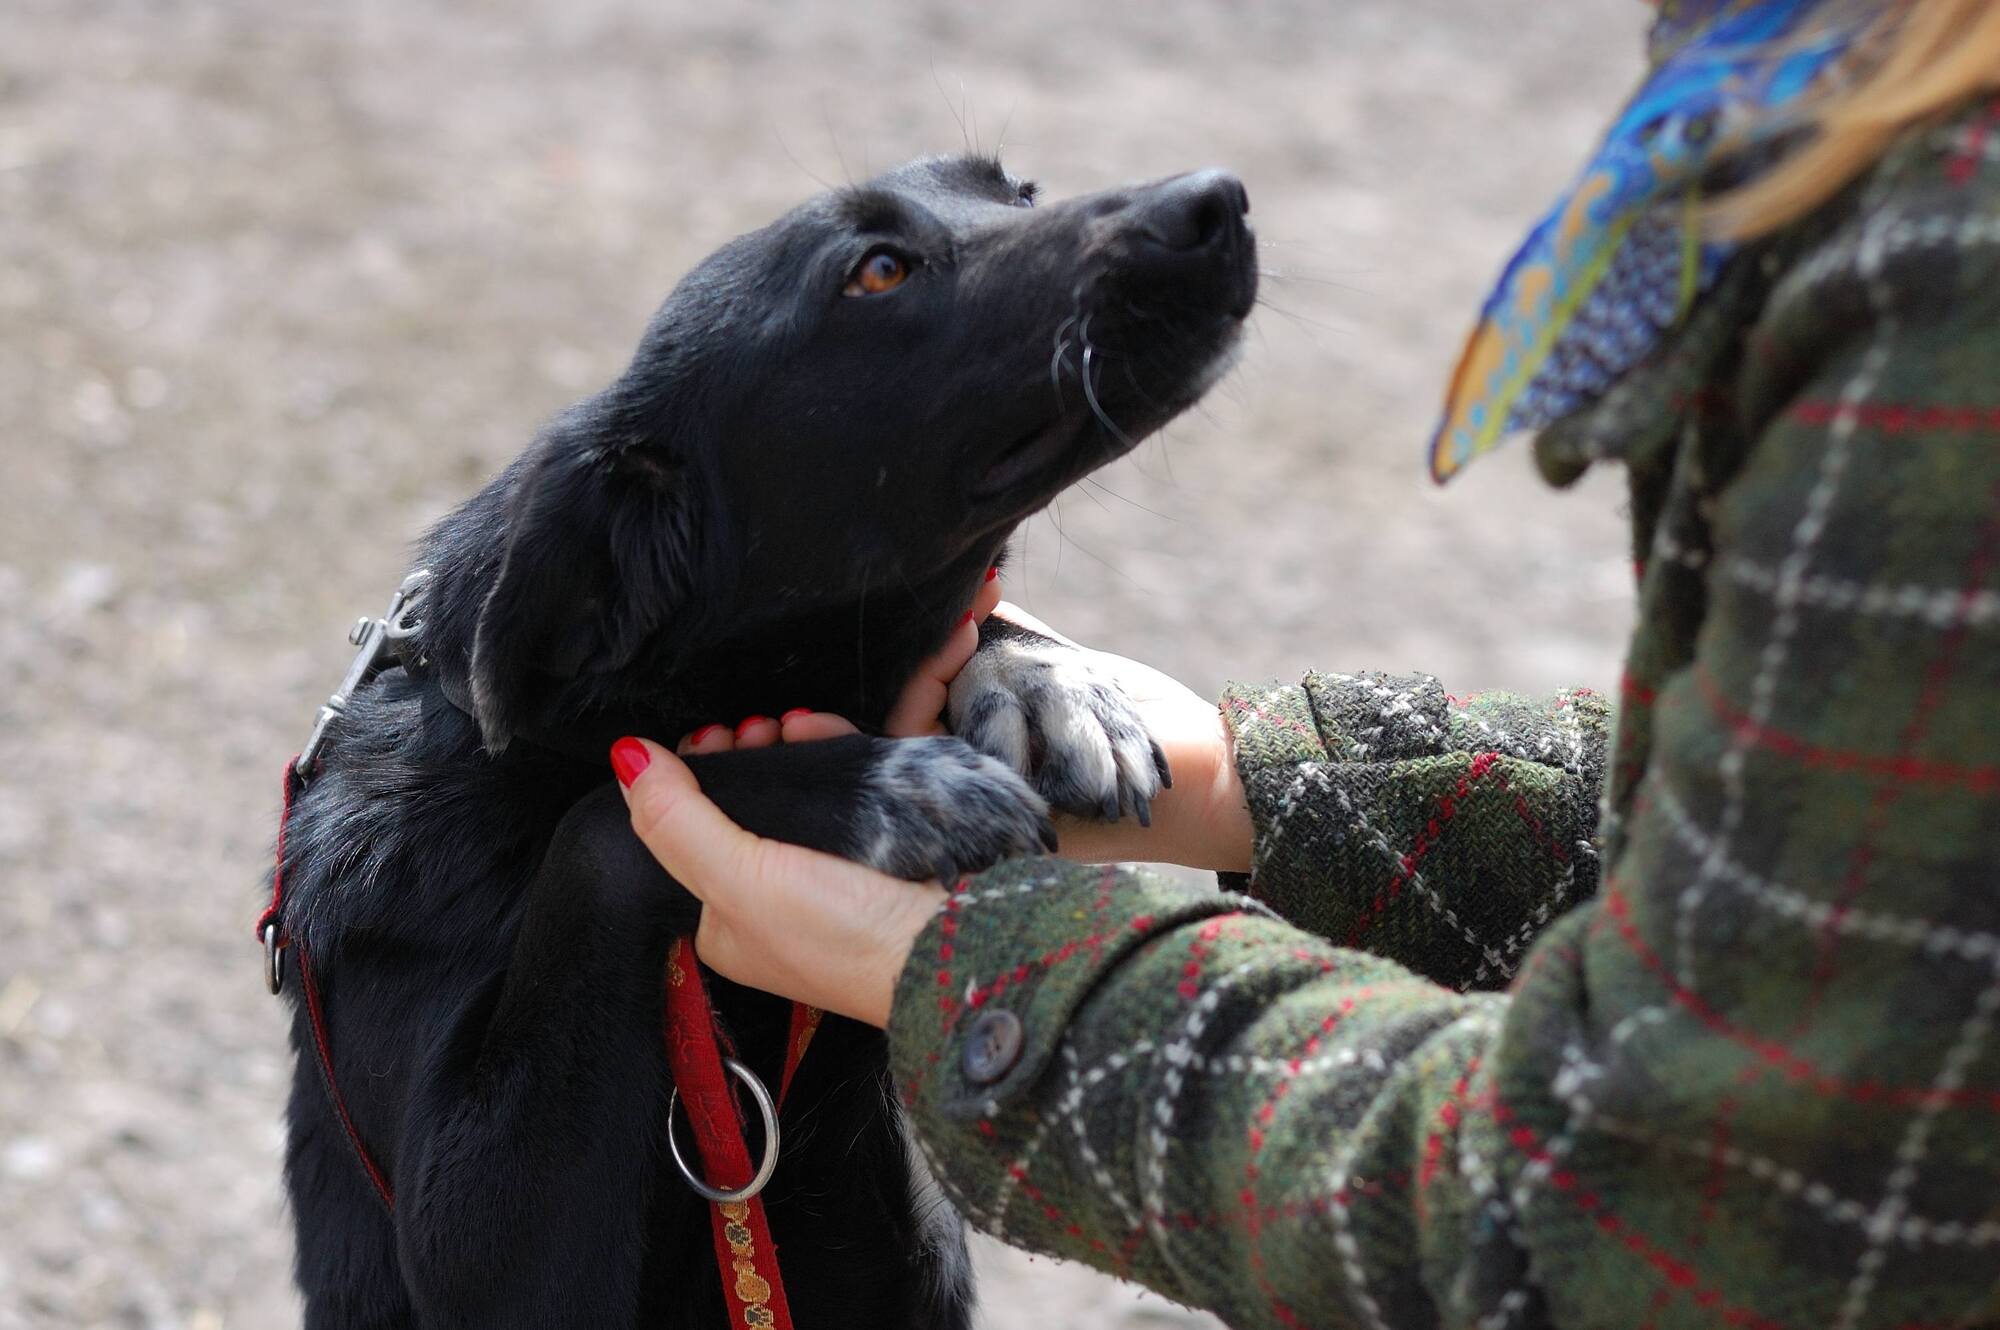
(1201, 821)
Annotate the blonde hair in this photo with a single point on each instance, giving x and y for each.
(1920, 61)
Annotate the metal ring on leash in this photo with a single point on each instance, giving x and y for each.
(274, 960)
(765, 1107)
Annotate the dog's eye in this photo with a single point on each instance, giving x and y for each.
(881, 270)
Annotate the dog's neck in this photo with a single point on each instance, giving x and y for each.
(850, 656)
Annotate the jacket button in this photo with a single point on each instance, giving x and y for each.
(992, 1047)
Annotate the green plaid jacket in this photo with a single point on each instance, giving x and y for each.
(1745, 1070)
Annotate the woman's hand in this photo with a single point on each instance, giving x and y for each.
(1202, 820)
(804, 925)
(819, 929)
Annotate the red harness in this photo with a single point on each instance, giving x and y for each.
(695, 1046)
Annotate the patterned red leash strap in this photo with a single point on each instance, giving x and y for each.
(745, 1254)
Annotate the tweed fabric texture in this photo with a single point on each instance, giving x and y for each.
(1436, 831)
(1754, 1080)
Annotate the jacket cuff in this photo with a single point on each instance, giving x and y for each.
(1288, 736)
(994, 978)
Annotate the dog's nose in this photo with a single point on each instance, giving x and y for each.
(1192, 211)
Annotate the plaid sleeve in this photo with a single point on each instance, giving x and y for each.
(1755, 1082)
(1440, 831)
(1177, 1087)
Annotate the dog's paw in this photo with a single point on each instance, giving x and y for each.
(1041, 707)
(935, 808)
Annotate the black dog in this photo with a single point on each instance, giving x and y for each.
(825, 438)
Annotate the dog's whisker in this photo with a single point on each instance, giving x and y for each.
(1098, 484)
(1296, 317)
(833, 136)
(1061, 340)
(1062, 536)
(957, 113)
(792, 157)
(1085, 492)
(1090, 390)
(1094, 557)
(1133, 380)
(1281, 275)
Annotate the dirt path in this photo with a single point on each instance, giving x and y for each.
(278, 283)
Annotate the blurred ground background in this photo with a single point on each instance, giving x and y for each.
(280, 282)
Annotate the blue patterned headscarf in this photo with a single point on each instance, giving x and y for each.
(1619, 259)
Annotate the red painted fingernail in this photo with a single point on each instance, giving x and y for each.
(628, 758)
(794, 714)
(746, 723)
(703, 733)
(965, 618)
(992, 573)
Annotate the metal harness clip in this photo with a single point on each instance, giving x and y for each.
(377, 642)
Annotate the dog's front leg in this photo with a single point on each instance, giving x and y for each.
(913, 808)
(533, 1137)
(527, 1173)
(1041, 706)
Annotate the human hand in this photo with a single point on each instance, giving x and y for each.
(805, 925)
(1202, 820)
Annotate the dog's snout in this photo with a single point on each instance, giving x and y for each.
(1193, 211)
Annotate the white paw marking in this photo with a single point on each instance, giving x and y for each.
(1046, 711)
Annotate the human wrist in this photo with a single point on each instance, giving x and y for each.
(1202, 821)
(1216, 831)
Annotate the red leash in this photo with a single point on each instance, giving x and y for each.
(271, 933)
(696, 1047)
(744, 1251)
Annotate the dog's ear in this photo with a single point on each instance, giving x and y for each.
(598, 564)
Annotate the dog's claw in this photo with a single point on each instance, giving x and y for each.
(1045, 709)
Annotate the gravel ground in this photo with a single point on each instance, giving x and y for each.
(278, 283)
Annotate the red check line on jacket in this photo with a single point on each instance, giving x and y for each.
(1964, 163)
(1711, 1192)
(1241, 705)
(1048, 960)
(1631, 688)
(1896, 418)
(1915, 771)
(1937, 678)
(948, 1004)
(1676, 1270)
(1052, 1212)
(1199, 947)
(1534, 824)
(1261, 1120)
(1450, 1114)
(1442, 812)
(1797, 1069)
(1189, 1221)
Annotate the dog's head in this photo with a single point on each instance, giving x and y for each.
(872, 390)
